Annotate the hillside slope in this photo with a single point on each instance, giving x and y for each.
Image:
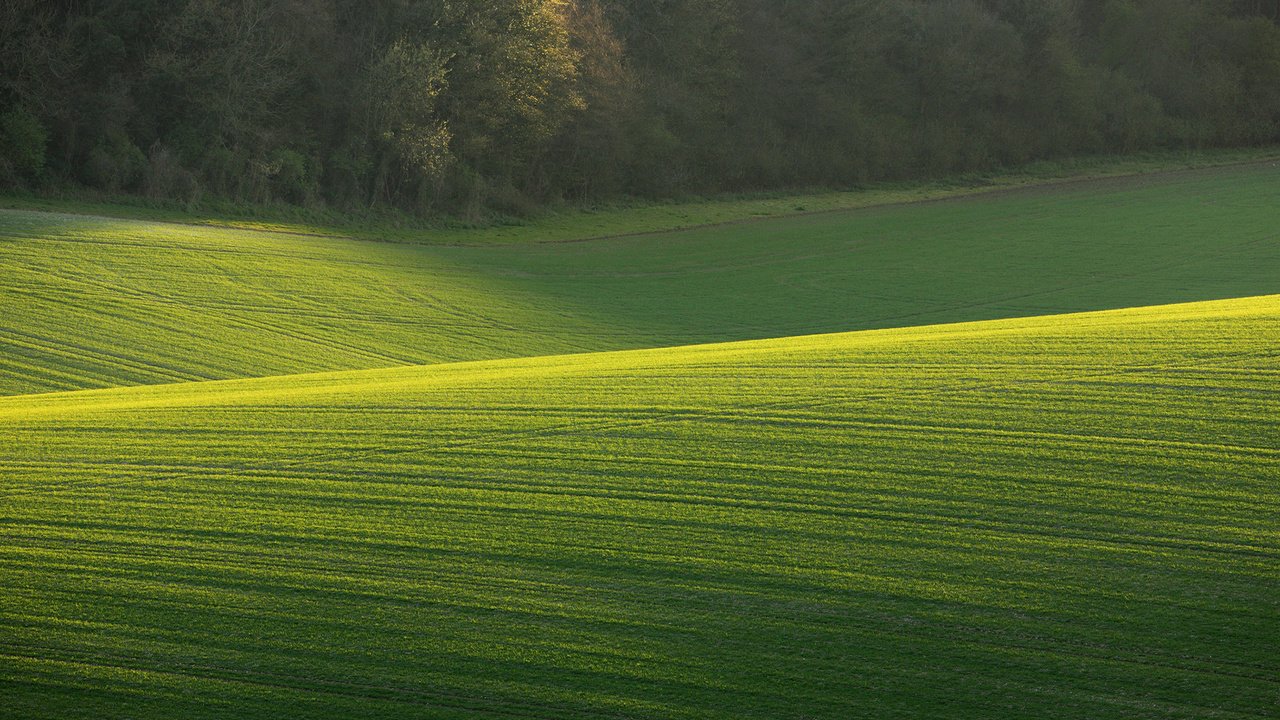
(88, 302)
(1056, 517)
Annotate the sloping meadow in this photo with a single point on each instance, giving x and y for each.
(1069, 516)
(92, 302)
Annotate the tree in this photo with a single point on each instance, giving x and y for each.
(405, 86)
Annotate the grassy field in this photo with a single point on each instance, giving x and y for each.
(652, 476)
(91, 302)
(1071, 516)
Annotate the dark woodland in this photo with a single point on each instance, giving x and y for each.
(467, 106)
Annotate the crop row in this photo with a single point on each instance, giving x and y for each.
(1051, 517)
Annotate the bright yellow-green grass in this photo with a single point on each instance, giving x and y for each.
(91, 302)
(1060, 517)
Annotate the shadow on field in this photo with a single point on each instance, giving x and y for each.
(93, 302)
(1173, 237)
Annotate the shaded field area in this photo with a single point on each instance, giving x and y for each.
(90, 302)
(1056, 517)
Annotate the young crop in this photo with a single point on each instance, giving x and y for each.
(1048, 517)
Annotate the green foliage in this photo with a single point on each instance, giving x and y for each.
(22, 146)
(116, 164)
(167, 179)
(405, 86)
(292, 177)
(477, 107)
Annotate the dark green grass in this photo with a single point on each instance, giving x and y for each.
(1068, 517)
(88, 302)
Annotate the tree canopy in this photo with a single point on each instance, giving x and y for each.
(462, 106)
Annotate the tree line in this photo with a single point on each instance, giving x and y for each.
(469, 106)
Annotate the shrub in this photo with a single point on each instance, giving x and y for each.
(223, 170)
(167, 179)
(292, 180)
(22, 146)
(115, 164)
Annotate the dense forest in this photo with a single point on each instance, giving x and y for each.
(465, 106)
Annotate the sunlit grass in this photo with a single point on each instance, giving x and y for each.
(1070, 516)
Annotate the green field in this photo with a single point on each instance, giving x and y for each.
(1058, 514)
(90, 302)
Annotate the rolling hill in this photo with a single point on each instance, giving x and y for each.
(91, 302)
(1036, 473)
(1051, 517)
